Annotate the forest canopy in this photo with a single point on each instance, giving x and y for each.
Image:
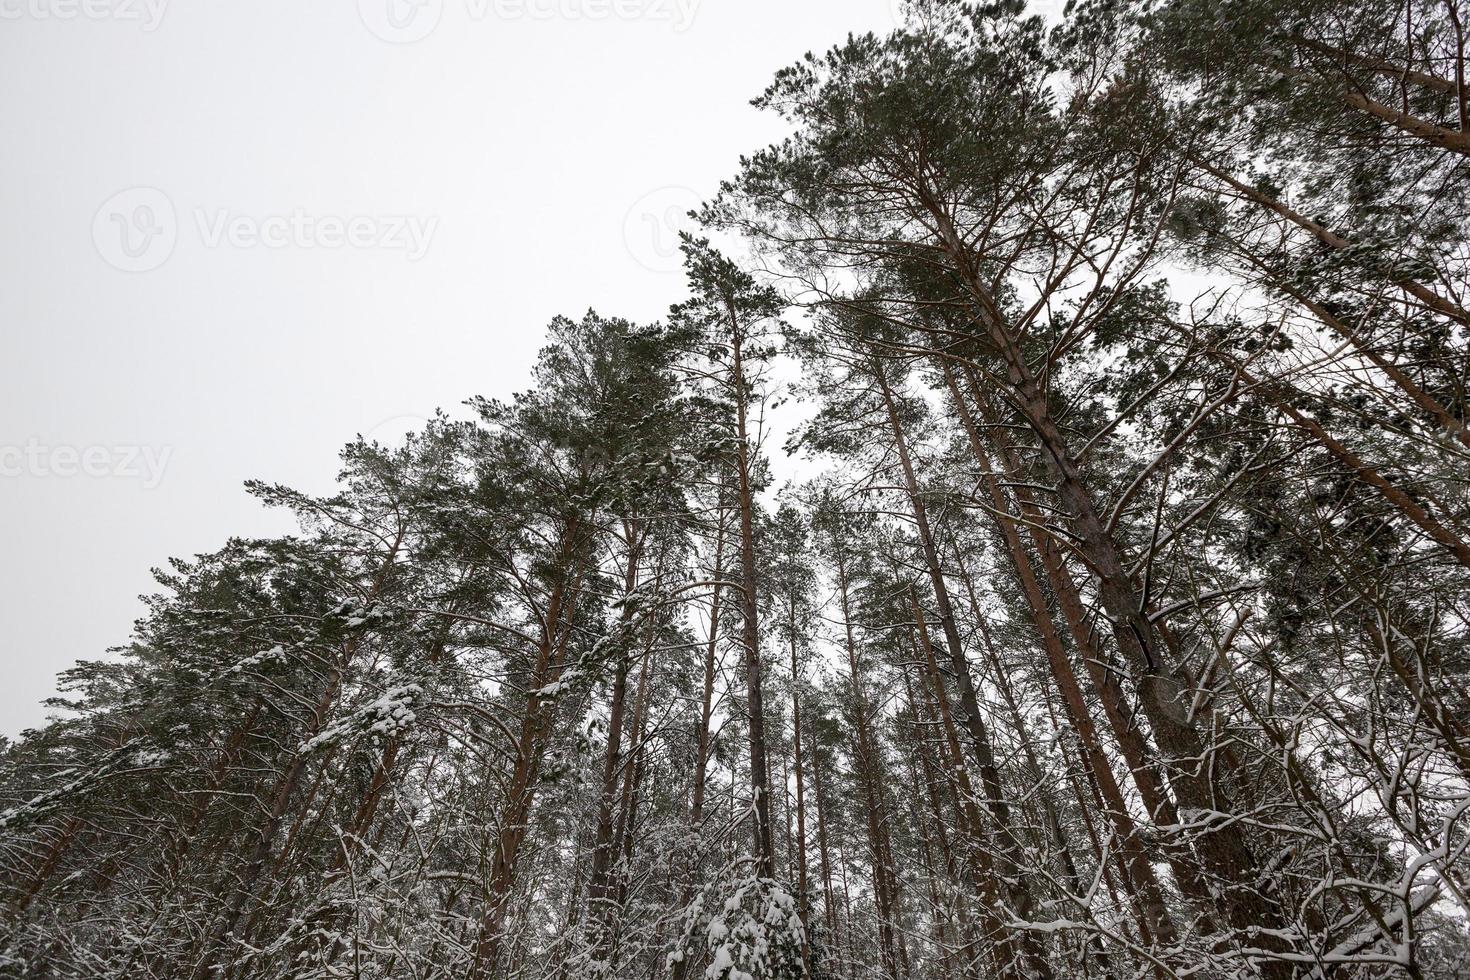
(1117, 626)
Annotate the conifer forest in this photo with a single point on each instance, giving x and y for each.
(1035, 544)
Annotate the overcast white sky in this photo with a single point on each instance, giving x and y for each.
(236, 233)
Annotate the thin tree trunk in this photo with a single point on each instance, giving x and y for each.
(599, 889)
(1366, 472)
(627, 832)
(983, 876)
(864, 753)
(702, 741)
(1329, 238)
(804, 902)
(1152, 909)
(1426, 403)
(1016, 890)
(963, 928)
(760, 781)
(829, 902)
(237, 910)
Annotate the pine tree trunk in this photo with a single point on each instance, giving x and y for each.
(632, 795)
(930, 793)
(702, 737)
(760, 781)
(996, 802)
(1152, 909)
(803, 900)
(864, 753)
(1328, 238)
(536, 722)
(1223, 848)
(829, 901)
(599, 889)
(983, 876)
(1364, 471)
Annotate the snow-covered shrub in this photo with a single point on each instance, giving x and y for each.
(755, 933)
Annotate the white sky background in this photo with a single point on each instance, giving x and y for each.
(542, 150)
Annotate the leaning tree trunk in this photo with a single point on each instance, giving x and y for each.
(1016, 890)
(1162, 688)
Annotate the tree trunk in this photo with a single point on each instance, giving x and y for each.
(1162, 692)
(599, 888)
(1152, 909)
(864, 753)
(760, 781)
(803, 902)
(702, 737)
(536, 722)
(1016, 890)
